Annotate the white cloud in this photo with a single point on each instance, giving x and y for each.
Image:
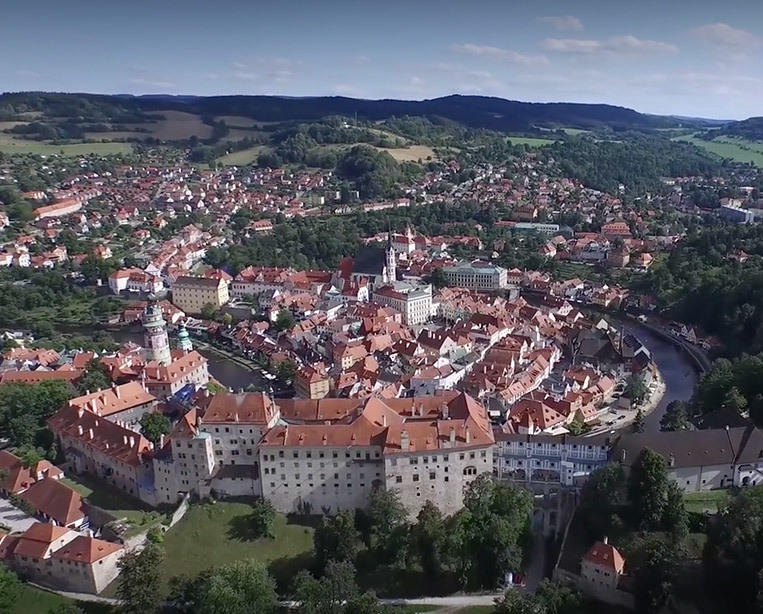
(159, 84)
(502, 55)
(730, 40)
(563, 22)
(239, 65)
(617, 45)
(345, 89)
(27, 73)
(361, 59)
(245, 76)
(415, 81)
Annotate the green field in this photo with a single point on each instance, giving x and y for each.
(213, 534)
(17, 146)
(243, 157)
(740, 150)
(529, 141)
(36, 601)
(708, 501)
(114, 501)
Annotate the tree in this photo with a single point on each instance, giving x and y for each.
(227, 319)
(262, 518)
(140, 584)
(735, 400)
(437, 278)
(653, 576)
(429, 538)
(676, 417)
(24, 408)
(284, 320)
(153, 425)
(389, 526)
(208, 311)
(733, 558)
(648, 490)
(639, 426)
(285, 371)
(601, 495)
(549, 598)
(238, 588)
(336, 592)
(636, 390)
(29, 455)
(94, 268)
(96, 377)
(577, 426)
(65, 608)
(491, 533)
(674, 518)
(336, 539)
(10, 588)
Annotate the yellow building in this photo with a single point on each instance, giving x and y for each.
(191, 293)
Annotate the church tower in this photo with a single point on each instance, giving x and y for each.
(391, 264)
(184, 339)
(156, 340)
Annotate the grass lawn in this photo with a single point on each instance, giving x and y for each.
(213, 534)
(36, 601)
(114, 501)
(476, 609)
(530, 141)
(708, 501)
(243, 157)
(740, 150)
(18, 146)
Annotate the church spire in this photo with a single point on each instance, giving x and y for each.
(390, 261)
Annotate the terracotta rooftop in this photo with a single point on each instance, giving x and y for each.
(55, 500)
(86, 550)
(248, 407)
(114, 400)
(605, 555)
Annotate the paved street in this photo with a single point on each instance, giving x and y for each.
(13, 518)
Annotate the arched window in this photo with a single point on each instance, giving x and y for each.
(470, 470)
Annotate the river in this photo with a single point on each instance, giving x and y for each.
(677, 371)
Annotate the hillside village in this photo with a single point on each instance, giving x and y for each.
(416, 364)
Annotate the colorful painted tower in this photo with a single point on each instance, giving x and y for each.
(184, 339)
(156, 339)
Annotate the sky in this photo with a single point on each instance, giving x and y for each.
(684, 57)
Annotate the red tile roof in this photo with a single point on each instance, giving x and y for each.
(86, 550)
(55, 500)
(605, 555)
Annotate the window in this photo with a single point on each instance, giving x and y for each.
(296, 454)
(398, 479)
(470, 470)
(432, 475)
(415, 477)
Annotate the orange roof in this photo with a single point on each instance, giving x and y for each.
(103, 435)
(37, 376)
(56, 500)
(605, 555)
(86, 550)
(249, 407)
(114, 400)
(180, 366)
(20, 478)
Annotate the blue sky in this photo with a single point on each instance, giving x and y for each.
(670, 56)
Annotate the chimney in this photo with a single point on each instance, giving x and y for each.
(445, 411)
(671, 460)
(161, 441)
(452, 435)
(80, 412)
(467, 435)
(124, 439)
(116, 391)
(384, 420)
(623, 455)
(405, 441)
(132, 441)
(107, 445)
(91, 434)
(79, 428)
(605, 540)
